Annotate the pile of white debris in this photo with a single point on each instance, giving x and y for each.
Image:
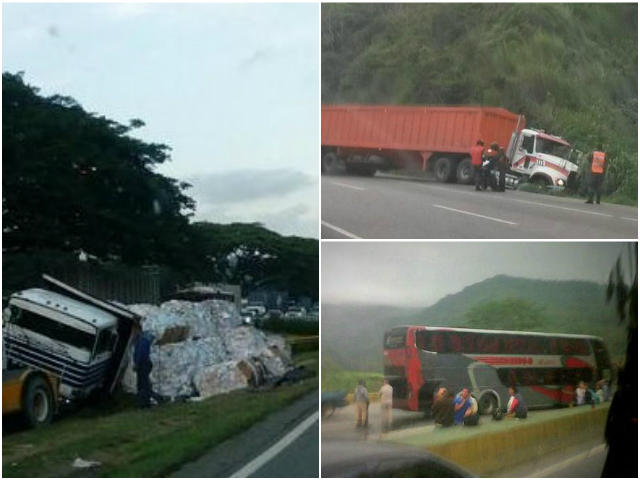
(201, 349)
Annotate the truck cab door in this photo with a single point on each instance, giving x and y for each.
(526, 149)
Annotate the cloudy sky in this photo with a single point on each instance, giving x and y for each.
(419, 274)
(232, 89)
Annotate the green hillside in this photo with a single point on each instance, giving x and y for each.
(352, 335)
(570, 68)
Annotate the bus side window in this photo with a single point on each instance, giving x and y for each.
(454, 345)
(468, 343)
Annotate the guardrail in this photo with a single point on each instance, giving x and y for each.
(305, 344)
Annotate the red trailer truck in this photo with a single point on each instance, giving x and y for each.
(366, 138)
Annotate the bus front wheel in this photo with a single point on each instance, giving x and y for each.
(487, 404)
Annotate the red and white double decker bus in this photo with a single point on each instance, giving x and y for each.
(545, 367)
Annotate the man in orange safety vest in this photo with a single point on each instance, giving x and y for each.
(597, 168)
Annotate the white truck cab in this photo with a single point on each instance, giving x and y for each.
(78, 338)
(541, 158)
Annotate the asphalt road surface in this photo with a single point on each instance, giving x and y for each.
(384, 207)
(285, 445)
(341, 424)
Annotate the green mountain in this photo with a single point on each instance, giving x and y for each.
(570, 68)
(352, 334)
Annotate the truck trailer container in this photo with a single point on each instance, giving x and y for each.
(368, 138)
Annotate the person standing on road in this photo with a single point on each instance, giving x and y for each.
(386, 405)
(361, 399)
(581, 393)
(516, 407)
(476, 161)
(460, 406)
(597, 168)
(142, 366)
(503, 164)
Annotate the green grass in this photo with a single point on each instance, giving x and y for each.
(337, 380)
(135, 443)
(615, 199)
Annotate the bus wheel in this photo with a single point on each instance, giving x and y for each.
(38, 402)
(487, 404)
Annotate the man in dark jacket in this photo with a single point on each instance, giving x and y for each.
(142, 366)
(442, 409)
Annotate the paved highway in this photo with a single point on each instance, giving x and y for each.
(285, 445)
(385, 207)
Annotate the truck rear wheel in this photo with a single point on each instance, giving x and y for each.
(38, 402)
(465, 172)
(329, 163)
(445, 170)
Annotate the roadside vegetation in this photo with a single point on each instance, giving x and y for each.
(571, 69)
(144, 443)
(335, 378)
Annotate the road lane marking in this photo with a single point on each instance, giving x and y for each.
(340, 231)
(348, 186)
(476, 215)
(254, 465)
(627, 218)
(549, 471)
(562, 208)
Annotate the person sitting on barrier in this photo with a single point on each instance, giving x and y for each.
(472, 417)
(581, 393)
(443, 408)
(516, 407)
(461, 405)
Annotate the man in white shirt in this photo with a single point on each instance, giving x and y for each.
(386, 405)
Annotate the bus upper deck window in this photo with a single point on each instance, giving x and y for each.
(435, 343)
(454, 344)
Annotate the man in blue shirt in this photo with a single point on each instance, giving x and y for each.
(142, 366)
(460, 405)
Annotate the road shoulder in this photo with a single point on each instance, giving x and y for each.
(233, 454)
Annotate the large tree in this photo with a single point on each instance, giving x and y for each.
(253, 256)
(77, 181)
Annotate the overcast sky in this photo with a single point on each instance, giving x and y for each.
(232, 89)
(419, 274)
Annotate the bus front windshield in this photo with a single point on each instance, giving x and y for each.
(545, 145)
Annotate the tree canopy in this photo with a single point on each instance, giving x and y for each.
(74, 180)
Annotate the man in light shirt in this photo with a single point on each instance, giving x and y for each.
(386, 405)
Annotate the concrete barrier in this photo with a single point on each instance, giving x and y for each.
(489, 453)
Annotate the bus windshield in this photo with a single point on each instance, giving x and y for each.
(394, 339)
